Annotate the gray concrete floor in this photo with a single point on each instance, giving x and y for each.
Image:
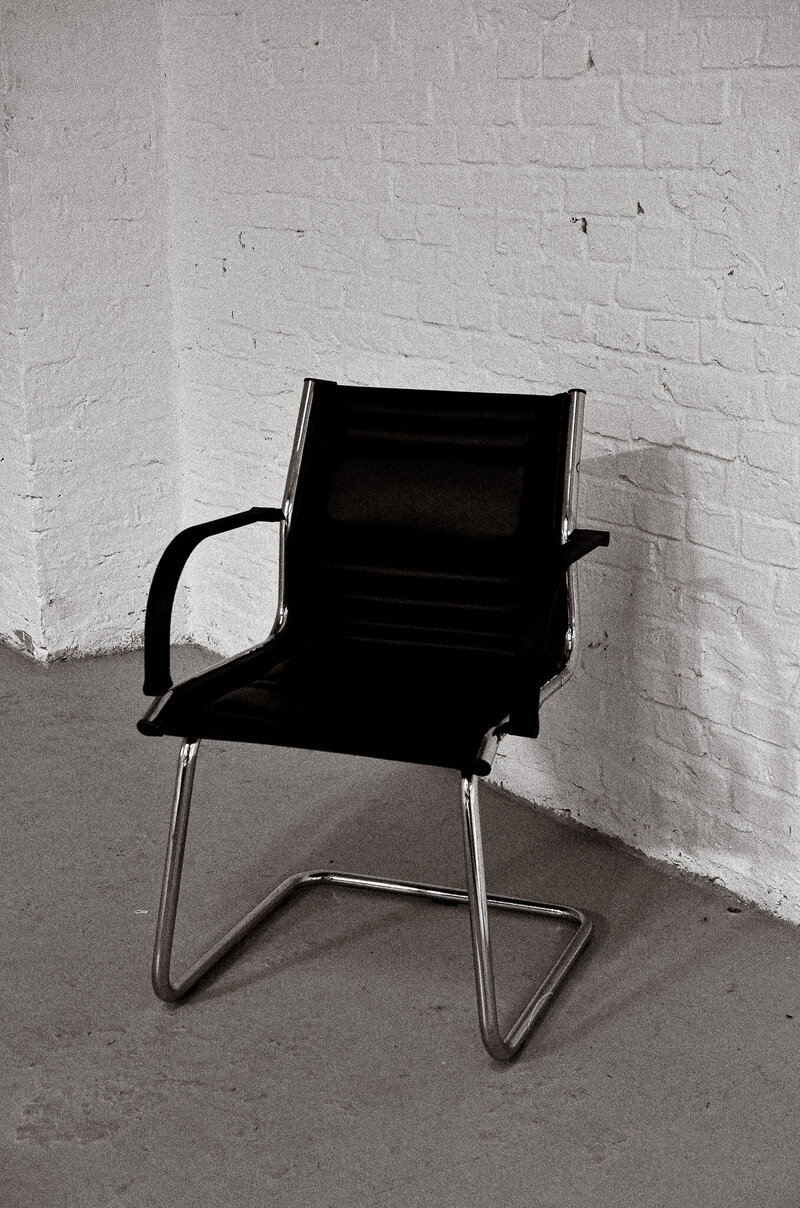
(336, 1061)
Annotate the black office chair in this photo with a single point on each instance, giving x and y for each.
(427, 606)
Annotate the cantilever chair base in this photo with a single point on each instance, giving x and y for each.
(501, 1047)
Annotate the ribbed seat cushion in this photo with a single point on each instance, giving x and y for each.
(397, 706)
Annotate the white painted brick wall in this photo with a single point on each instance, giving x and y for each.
(497, 196)
(20, 616)
(88, 419)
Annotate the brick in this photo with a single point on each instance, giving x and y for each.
(437, 225)
(682, 731)
(358, 65)
(770, 92)
(787, 594)
(597, 192)
(520, 57)
(479, 146)
(783, 400)
(583, 283)
(727, 749)
(716, 529)
(711, 250)
(397, 221)
(607, 419)
(442, 22)
(569, 147)
(563, 235)
(782, 42)
(668, 146)
(524, 189)
(396, 299)
(399, 146)
(708, 433)
(724, 9)
(666, 292)
(726, 149)
(766, 302)
(673, 338)
(584, 101)
(521, 318)
(457, 308)
(618, 52)
(632, 379)
(687, 99)
(371, 183)
(711, 388)
(656, 683)
(731, 347)
(611, 241)
(725, 576)
(518, 234)
(436, 146)
(660, 515)
(778, 769)
(762, 720)
(476, 59)
(566, 324)
(617, 148)
(751, 304)
(565, 51)
(599, 14)
(765, 492)
(663, 247)
(731, 43)
(704, 698)
(771, 544)
(607, 502)
(406, 62)
(773, 451)
(495, 106)
(672, 50)
(778, 350)
(618, 329)
(435, 184)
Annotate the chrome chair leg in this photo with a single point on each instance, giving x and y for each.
(503, 1048)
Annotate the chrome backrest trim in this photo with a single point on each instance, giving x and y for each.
(292, 478)
(569, 520)
(573, 462)
(297, 448)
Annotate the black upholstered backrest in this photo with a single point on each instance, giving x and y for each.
(420, 517)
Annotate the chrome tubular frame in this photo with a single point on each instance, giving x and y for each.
(502, 1047)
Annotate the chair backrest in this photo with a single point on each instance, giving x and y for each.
(419, 519)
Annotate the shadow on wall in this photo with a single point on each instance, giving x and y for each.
(678, 732)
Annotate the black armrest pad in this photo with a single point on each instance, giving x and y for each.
(581, 542)
(161, 597)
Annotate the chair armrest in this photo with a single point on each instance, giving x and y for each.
(161, 597)
(580, 543)
(524, 713)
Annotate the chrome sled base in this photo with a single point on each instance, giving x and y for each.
(502, 1047)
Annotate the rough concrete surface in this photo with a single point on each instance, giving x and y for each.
(336, 1061)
